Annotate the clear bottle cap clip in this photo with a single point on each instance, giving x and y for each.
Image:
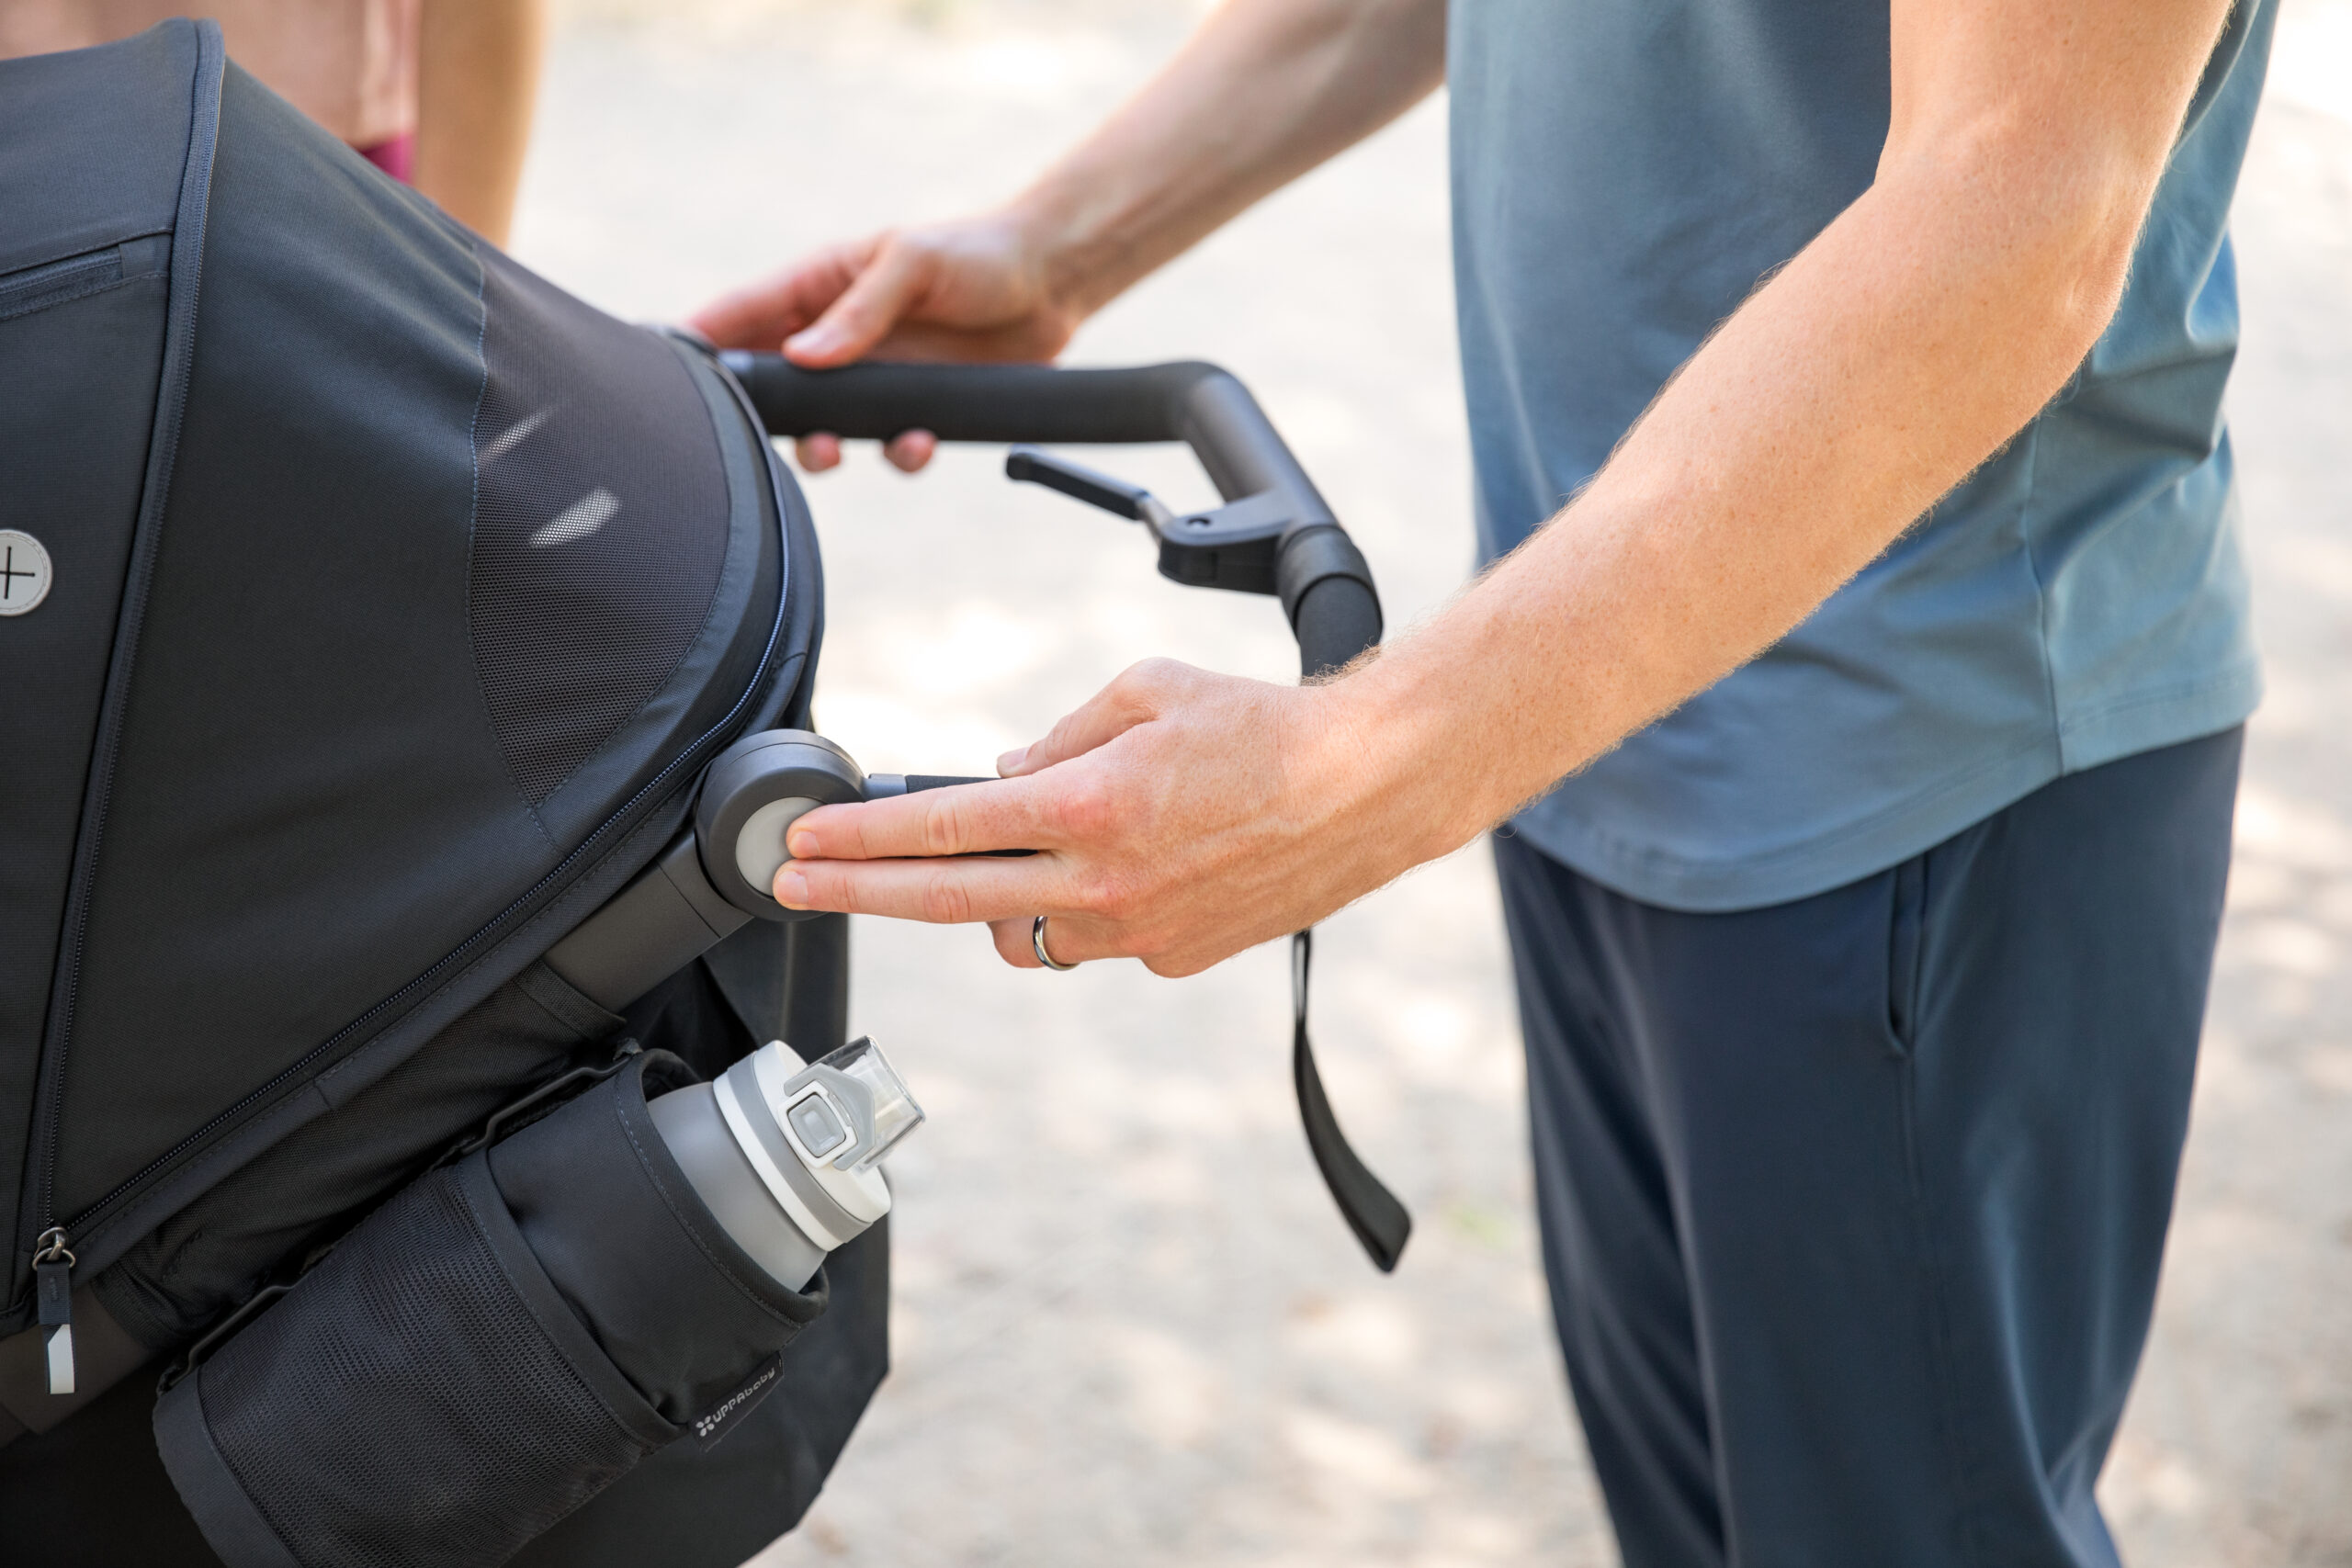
(894, 1112)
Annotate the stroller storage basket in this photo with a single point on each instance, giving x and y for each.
(506, 1336)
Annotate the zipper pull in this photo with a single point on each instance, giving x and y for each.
(53, 1294)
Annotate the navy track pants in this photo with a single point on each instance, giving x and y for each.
(1852, 1207)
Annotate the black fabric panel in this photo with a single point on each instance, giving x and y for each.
(722, 659)
(678, 1306)
(92, 1494)
(600, 527)
(77, 396)
(309, 806)
(689, 1505)
(215, 1253)
(92, 144)
(688, 1015)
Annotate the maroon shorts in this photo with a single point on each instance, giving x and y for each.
(395, 155)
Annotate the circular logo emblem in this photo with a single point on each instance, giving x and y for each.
(24, 572)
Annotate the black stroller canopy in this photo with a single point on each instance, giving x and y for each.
(395, 599)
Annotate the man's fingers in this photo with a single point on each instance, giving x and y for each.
(767, 312)
(1071, 939)
(909, 450)
(951, 891)
(907, 453)
(757, 317)
(1011, 939)
(963, 820)
(1132, 699)
(863, 316)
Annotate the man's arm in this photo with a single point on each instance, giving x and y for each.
(477, 73)
(1185, 816)
(1262, 92)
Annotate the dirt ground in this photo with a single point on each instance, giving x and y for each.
(1129, 1328)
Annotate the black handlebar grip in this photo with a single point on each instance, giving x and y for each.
(1337, 619)
(1189, 401)
(968, 403)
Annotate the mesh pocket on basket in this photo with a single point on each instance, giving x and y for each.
(435, 1394)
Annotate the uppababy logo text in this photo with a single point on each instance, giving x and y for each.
(24, 572)
(749, 1393)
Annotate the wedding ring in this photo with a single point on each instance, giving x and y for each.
(1037, 941)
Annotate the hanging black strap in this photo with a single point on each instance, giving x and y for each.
(1372, 1211)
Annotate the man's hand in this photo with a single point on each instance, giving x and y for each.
(972, 290)
(1264, 91)
(1179, 816)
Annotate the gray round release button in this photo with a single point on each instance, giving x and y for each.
(24, 572)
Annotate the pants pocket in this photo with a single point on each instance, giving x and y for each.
(1905, 947)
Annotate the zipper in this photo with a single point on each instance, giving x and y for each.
(54, 1292)
(55, 1234)
(37, 290)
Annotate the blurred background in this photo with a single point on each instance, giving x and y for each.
(1130, 1328)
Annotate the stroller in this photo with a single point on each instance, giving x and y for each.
(408, 674)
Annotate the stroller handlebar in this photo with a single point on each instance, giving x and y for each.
(1275, 535)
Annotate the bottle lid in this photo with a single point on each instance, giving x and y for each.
(895, 1112)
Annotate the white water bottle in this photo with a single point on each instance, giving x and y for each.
(788, 1157)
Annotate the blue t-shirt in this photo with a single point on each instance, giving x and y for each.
(1624, 172)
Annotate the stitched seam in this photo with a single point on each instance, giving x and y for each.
(473, 524)
(2179, 691)
(1933, 1272)
(35, 302)
(2041, 589)
(554, 995)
